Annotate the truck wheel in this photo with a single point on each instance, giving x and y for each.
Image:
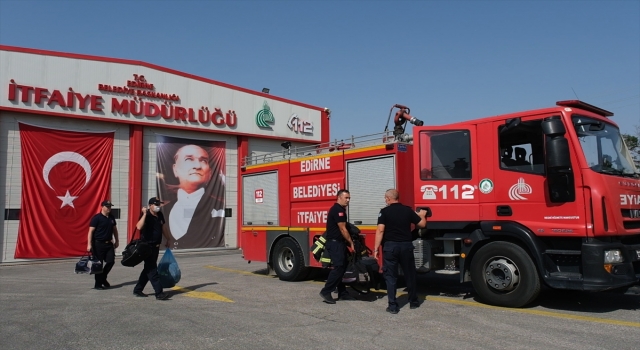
(503, 274)
(288, 261)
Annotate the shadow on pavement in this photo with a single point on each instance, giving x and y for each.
(580, 301)
(187, 289)
(432, 284)
(120, 285)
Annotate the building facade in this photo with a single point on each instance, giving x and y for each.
(76, 130)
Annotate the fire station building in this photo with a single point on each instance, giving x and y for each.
(76, 130)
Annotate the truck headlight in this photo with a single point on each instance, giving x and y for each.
(613, 256)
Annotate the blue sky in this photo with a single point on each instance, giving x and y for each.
(446, 60)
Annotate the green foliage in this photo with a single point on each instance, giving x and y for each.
(631, 141)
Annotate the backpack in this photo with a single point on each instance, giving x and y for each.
(320, 253)
(362, 274)
(359, 247)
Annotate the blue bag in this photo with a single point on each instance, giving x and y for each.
(168, 270)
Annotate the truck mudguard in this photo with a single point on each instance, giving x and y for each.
(520, 233)
(301, 237)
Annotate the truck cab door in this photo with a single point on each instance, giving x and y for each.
(446, 179)
(524, 183)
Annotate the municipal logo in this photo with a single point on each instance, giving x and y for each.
(485, 186)
(519, 189)
(264, 117)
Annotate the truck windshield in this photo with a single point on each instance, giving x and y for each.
(603, 147)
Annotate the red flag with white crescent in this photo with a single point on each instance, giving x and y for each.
(65, 177)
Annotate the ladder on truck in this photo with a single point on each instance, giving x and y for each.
(291, 151)
(449, 255)
(444, 250)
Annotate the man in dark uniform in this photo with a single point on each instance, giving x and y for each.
(102, 231)
(394, 231)
(151, 231)
(338, 239)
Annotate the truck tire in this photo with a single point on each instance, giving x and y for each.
(288, 260)
(503, 274)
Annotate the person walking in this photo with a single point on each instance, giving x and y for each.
(151, 224)
(394, 233)
(338, 241)
(102, 241)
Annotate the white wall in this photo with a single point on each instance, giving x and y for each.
(84, 76)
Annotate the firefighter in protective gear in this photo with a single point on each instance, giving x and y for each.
(338, 241)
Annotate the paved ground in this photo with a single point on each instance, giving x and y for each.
(224, 303)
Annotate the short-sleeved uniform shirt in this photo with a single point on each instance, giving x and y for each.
(152, 229)
(397, 219)
(103, 227)
(336, 214)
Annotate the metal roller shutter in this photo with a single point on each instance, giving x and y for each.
(367, 180)
(266, 212)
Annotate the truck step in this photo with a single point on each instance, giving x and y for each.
(563, 252)
(448, 272)
(448, 238)
(446, 255)
(566, 275)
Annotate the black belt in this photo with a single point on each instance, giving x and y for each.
(106, 242)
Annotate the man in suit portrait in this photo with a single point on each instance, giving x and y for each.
(191, 185)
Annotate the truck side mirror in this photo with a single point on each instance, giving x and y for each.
(553, 126)
(557, 155)
(557, 147)
(560, 182)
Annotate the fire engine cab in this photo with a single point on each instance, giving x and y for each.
(548, 196)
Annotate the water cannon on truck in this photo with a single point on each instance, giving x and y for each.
(399, 122)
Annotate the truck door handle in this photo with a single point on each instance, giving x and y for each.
(427, 209)
(504, 210)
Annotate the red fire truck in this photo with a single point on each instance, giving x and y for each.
(514, 201)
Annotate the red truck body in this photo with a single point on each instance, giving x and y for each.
(547, 196)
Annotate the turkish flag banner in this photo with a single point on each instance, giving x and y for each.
(65, 177)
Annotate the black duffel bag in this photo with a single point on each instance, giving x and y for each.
(135, 252)
(96, 265)
(362, 274)
(82, 266)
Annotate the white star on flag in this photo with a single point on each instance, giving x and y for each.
(67, 200)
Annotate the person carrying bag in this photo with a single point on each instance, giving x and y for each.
(151, 224)
(102, 241)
